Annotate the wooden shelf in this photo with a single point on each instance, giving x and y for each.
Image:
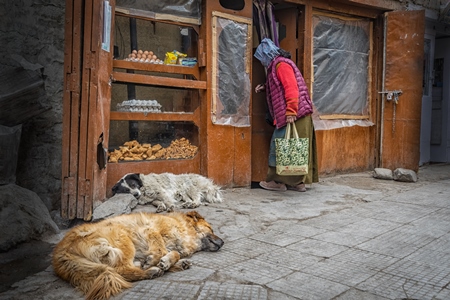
(164, 116)
(158, 80)
(160, 68)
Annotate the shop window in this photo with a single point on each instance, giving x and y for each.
(231, 59)
(342, 61)
(155, 105)
(164, 140)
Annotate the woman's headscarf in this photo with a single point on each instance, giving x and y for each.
(266, 52)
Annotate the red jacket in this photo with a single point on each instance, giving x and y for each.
(276, 93)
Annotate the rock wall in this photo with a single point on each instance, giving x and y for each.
(32, 36)
(22, 216)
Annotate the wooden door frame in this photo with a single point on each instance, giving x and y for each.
(85, 108)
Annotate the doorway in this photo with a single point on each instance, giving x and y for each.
(440, 133)
(427, 95)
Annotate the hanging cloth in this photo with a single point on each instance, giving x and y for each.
(264, 19)
(272, 23)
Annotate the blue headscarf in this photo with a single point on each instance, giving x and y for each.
(266, 52)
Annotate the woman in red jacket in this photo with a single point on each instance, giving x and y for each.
(289, 102)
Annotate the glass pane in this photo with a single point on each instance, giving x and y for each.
(142, 140)
(152, 40)
(152, 99)
(341, 60)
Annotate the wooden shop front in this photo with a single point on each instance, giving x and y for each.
(150, 89)
(362, 61)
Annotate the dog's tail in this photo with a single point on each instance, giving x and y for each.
(96, 280)
(107, 284)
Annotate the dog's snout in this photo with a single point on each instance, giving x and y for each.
(219, 242)
(212, 243)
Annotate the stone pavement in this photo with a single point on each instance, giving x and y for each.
(348, 237)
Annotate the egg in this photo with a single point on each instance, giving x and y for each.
(134, 51)
(150, 52)
(154, 57)
(140, 51)
(146, 52)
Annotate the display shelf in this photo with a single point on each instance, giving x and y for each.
(161, 68)
(163, 116)
(177, 88)
(158, 80)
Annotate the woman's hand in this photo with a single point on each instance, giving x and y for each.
(260, 87)
(290, 119)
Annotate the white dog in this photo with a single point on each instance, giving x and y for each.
(167, 191)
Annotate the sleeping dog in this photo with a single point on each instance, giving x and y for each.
(167, 191)
(101, 259)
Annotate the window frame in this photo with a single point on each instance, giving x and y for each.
(337, 116)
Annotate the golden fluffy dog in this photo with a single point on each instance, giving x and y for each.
(103, 258)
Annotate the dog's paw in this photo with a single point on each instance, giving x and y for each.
(144, 200)
(164, 264)
(148, 262)
(184, 264)
(137, 263)
(185, 205)
(189, 205)
(181, 265)
(154, 272)
(160, 208)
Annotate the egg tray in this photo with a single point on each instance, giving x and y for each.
(144, 106)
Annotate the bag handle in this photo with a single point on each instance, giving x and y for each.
(294, 129)
(287, 134)
(288, 131)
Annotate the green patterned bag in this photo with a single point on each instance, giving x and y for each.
(292, 153)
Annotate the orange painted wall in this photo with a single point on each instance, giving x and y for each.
(349, 149)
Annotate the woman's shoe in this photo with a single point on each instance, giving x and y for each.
(273, 186)
(299, 187)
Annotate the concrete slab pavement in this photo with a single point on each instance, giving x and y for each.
(348, 237)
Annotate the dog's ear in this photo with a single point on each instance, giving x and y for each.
(115, 187)
(137, 178)
(194, 215)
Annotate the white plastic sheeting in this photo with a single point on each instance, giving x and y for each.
(341, 75)
(231, 93)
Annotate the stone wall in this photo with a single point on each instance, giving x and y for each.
(32, 36)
